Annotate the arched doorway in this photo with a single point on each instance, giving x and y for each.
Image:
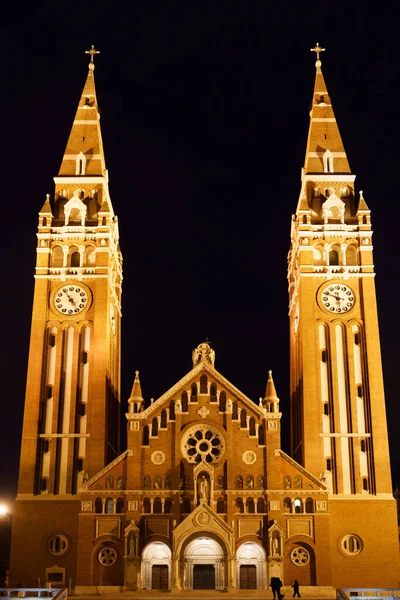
(156, 567)
(250, 565)
(204, 565)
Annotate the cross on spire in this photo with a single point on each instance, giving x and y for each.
(92, 52)
(317, 49)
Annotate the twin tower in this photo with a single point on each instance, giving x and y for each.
(336, 526)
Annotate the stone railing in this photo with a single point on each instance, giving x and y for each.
(368, 593)
(55, 593)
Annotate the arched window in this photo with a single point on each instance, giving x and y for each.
(74, 257)
(203, 384)
(239, 482)
(193, 392)
(184, 401)
(167, 483)
(222, 402)
(261, 436)
(243, 419)
(90, 256)
(250, 482)
(260, 482)
(172, 411)
(146, 505)
(239, 506)
(260, 505)
(186, 507)
(157, 506)
(57, 257)
(287, 503)
(287, 482)
(328, 464)
(298, 484)
(145, 440)
(309, 505)
(235, 413)
(298, 506)
(109, 507)
(213, 393)
(250, 508)
(157, 482)
(363, 446)
(326, 409)
(154, 427)
(318, 255)
(168, 506)
(147, 483)
(351, 255)
(365, 484)
(221, 505)
(120, 505)
(252, 426)
(98, 506)
(333, 257)
(163, 423)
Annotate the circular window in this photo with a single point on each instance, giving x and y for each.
(107, 556)
(351, 544)
(57, 544)
(203, 443)
(299, 556)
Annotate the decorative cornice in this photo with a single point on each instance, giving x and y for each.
(85, 486)
(302, 470)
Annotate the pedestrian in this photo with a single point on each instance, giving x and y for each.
(295, 587)
(273, 586)
(279, 584)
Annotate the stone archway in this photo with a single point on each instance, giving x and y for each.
(203, 564)
(156, 567)
(251, 566)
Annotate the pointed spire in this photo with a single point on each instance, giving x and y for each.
(84, 153)
(271, 400)
(136, 394)
(362, 205)
(323, 134)
(46, 208)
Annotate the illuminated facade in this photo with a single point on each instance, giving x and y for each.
(203, 497)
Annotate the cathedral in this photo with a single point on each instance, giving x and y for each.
(203, 496)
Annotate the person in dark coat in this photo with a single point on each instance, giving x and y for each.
(295, 587)
(275, 584)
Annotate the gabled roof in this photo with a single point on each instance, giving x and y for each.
(85, 486)
(302, 470)
(202, 367)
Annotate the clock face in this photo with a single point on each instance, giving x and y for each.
(337, 298)
(112, 319)
(71, 299)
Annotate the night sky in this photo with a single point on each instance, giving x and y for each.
(204, 113)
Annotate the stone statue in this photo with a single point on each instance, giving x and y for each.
(204, 489)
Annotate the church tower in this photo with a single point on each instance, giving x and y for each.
(72, 405)
(338, 425)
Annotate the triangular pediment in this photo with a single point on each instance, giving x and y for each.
(203, 520)
(183, 384)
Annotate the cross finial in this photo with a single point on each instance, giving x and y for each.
(317, 49)
(92, 53)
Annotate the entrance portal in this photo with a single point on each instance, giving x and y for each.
(156, 567)
(204, 577)
(204, 565)
(251, 571)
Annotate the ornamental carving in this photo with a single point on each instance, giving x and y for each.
(249, 457)
(134, 426)
(321, 505)
(86, 506)
(158, 457)
(203, 412)
(203, 519)
(203, 443)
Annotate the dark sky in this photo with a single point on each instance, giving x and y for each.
(205, 117)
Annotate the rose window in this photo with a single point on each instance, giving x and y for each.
(299, 556)
(203, 443)
(107, 556)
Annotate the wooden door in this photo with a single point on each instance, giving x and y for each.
(248, 577)
(203, 577)
(159, 577)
